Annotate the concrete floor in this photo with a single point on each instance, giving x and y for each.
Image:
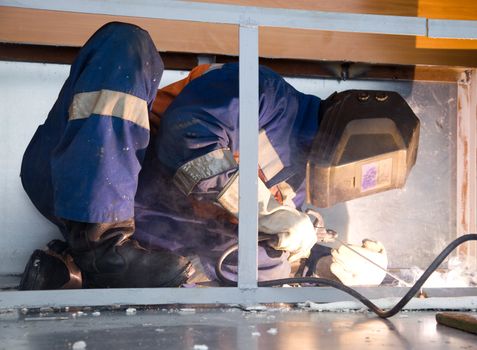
(225, 328)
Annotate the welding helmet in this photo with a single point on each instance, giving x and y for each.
(367, 143)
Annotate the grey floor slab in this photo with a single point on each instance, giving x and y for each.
(225, 328)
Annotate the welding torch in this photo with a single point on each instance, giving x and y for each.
(325, 235)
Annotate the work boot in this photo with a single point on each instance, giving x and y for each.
(51, 268)
(109, 258)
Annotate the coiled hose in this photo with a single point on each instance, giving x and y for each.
(326, 282)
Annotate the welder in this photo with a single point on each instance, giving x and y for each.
(143, 183)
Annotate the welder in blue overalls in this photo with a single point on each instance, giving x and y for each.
(142, 187)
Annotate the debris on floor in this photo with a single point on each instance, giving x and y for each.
(187, 310)
(257, 307)
(130, 311)
(460, 303)
(200, 347)
(46, 318)
(79, 345)
(224, 328)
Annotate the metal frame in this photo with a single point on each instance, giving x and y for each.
(248, 183)
(249, 19)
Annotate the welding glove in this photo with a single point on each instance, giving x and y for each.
(353, 269)
(290, 229)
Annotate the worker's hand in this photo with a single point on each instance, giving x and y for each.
(300, 236)
(353, 270)
(322, 233)
(290, 229)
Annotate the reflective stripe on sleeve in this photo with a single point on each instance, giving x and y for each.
(110, 103)
(268, 158)
(229, 196)
(204, 167)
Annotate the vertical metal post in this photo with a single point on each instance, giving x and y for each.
(248, 138)
(466, 196)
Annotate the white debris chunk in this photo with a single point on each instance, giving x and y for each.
(160, 330)
(200, 347)
(130, 311)
(9, 314)
(254, 307)
(43, 318)
(272, 331)
(187, 311)
(79, 345)
(256, 334)
(96, 313)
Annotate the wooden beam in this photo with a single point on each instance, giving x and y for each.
(287, 67)
(461, 321)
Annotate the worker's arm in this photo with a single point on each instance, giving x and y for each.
(197, 139)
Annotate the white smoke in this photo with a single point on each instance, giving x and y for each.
(458, 274)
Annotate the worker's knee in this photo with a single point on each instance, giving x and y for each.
(119, 57)
(125, 38)
(122, 29)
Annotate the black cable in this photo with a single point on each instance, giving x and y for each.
(323, 281)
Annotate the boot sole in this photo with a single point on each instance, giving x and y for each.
(177, 281)
(43, 271)
(31, 274)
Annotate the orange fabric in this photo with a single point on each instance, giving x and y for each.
(167, 94)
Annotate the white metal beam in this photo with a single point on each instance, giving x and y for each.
(248, 140)
(272, 17)
(452, 29)
(224, 295)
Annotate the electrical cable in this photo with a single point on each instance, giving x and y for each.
(327, 282)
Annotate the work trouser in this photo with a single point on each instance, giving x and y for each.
(83, 163)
